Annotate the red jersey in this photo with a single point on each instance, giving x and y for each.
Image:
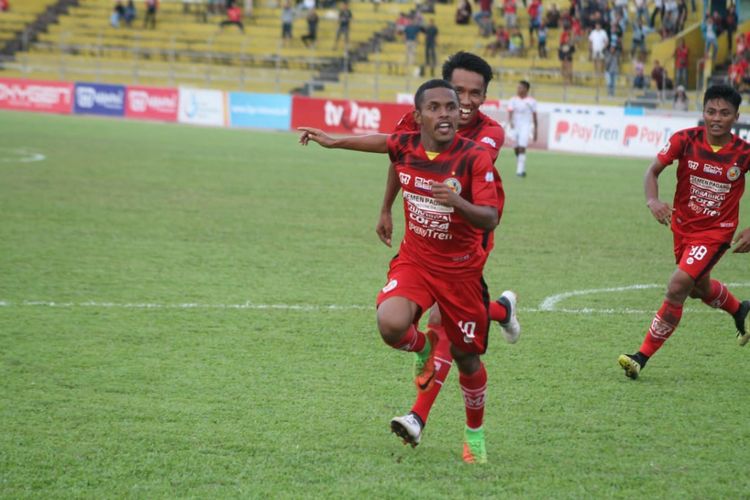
(681, 55)
(709, 185)
(437, 238)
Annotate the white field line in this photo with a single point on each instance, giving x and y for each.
(19, 155)
(548, 305)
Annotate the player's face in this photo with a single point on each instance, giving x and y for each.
(521, 90)
(437, 118)
(719, 116)
(471, 94)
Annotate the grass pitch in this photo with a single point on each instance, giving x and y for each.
(188, 312)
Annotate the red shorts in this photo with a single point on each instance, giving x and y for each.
(464, 303)
(697, 257)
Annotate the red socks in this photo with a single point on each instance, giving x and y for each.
(474, 387)
(498, 312)
(721, 298)
(662, 326)
(412, 341)
(443, 362)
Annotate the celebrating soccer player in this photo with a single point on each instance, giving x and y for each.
(712, 163)
(522, 118)
(470, 75)
(450, 203)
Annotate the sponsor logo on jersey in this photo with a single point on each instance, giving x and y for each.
(422, 183)
(404, 178)
(454, 184)
(716, 187)
(734, 173)
(665, 148)
(426, 203)
(711, 169)
(692, 165)
(490, 141)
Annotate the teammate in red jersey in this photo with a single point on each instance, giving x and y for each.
(470, 75)
(450, 202)
(712, 163)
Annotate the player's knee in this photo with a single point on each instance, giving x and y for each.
(392, 327)
(467, 363)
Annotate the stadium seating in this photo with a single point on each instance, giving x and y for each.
(14, 21)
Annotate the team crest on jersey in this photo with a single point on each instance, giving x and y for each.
(734, 173)
(453, 183)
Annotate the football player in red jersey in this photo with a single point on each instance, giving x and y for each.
(712, 163)
(470, 75)
(450, 203)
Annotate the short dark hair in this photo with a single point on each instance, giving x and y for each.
(431, 84)
(725, 92)
(469, 62)
(525, 83)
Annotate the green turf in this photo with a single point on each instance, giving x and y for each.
(113, 387)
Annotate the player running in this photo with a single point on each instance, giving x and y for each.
(712, 163)
(450, 203)
(522, 118)
(470, 75)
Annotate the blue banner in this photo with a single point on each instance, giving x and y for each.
(99, 99)
(273, 111)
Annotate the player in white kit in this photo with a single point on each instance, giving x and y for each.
(522, 118)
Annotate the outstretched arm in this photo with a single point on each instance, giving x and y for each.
(661, 211)
(384, 227)
(480, 216)
(372, 143)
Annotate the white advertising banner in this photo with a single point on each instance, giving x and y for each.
(637, 136)
(201, 107)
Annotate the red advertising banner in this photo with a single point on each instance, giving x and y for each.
(347, 117)
(36, 95)
(151, 103)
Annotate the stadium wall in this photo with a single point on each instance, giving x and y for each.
(568, 128)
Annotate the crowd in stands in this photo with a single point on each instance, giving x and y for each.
(4, 5)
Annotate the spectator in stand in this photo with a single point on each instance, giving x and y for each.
(542, 41)
(535, 18)
(565, 54)
(510, 14)
(659, 76)
(500, 43)
(681, 101)
(411, 31)
(152, 6)
(552, 17)
(710, 37)
(118, 13)
(430, 46)
(682, 15)
(639, 38)
(742, 43)
(611, 69)
(516, 48)
(639, 76)
(483, 18)
(463, 12)
(658, 9)
(681, 61)
(730, 23)
(615, 36)
(345, 21)
(641, 10)
(312, 28)
(234, 17)
(287, 21)
(129, 13)
(598, 41)
(621, 10)
(4, 6)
